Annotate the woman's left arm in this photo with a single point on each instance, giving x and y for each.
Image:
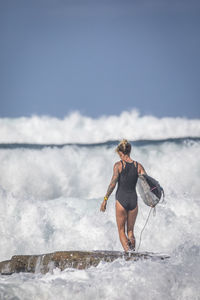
(141, 169)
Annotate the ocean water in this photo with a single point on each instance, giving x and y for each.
(53, 176)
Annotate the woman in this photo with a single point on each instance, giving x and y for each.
(125, 172)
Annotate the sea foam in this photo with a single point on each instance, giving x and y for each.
(50, 200)
(76, 128)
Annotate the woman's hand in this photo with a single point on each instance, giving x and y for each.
(103, 205)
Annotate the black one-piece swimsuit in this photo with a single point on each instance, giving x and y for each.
(126, 190)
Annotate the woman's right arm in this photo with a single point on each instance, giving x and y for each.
(113, 180)
(111, 186)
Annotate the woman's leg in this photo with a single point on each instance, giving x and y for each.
(131, 217)
(121, 217)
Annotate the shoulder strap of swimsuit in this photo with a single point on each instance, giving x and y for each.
(122, 165)
(137, 166)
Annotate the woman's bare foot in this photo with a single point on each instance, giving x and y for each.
(131, 244)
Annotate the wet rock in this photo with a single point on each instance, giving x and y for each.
(67, 259)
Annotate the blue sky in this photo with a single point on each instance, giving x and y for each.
(99, 57)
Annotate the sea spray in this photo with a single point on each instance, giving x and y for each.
(50, 200)
(77, 128)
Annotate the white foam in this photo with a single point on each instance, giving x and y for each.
(50, 199)
(118, 280)
(76, 128)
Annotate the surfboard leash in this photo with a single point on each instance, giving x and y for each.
(144, 227)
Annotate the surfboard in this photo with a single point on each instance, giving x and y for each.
(149, 190)
(44, 263)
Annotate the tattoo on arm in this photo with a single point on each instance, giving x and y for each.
(113, 180)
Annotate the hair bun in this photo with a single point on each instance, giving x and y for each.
(124, 142)
(124, 146)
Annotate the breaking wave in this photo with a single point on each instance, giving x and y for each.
(53, 176)
(76, 128)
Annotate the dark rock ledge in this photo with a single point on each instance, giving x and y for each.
(68, 259)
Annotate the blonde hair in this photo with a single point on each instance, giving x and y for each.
(124, 147)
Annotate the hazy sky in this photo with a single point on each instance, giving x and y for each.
(99, 57)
